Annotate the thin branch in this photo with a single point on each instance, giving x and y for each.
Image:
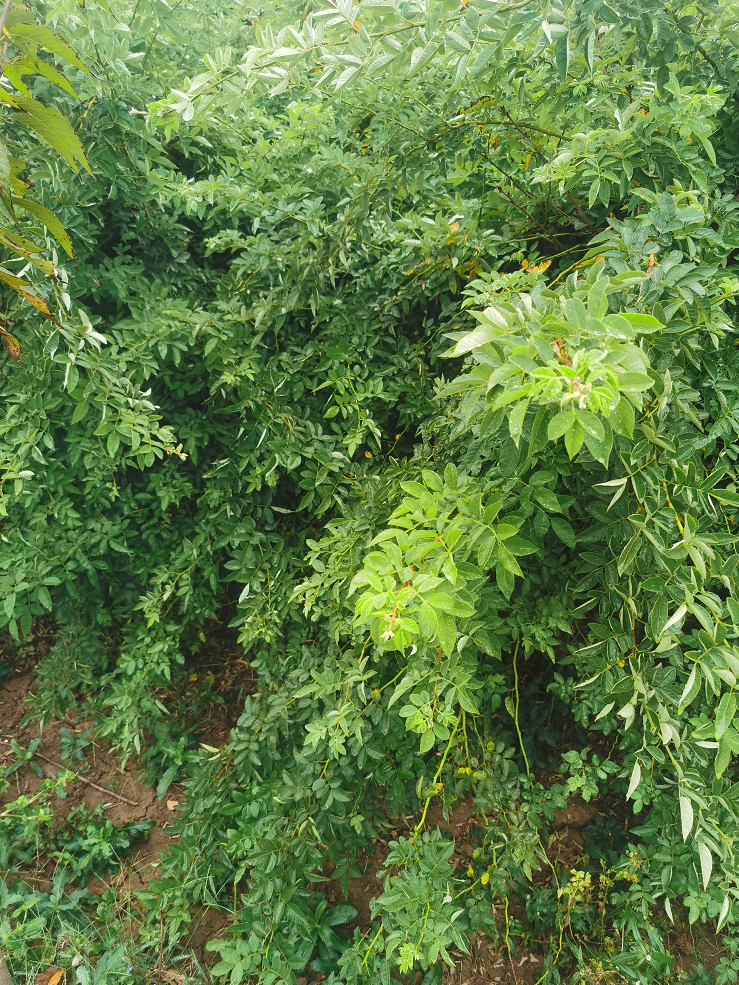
(548, 235)
(3, 18)
(521, 123)
(4, 15)
(83, 779)
(520, 187)
(711, 61)
(524, 191)
(582, 215)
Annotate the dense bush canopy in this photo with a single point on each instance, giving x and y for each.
(401, 336)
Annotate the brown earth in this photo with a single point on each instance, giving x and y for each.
(103, 779)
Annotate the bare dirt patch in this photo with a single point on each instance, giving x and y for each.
(101, 778)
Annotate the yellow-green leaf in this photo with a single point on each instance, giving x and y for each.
(52, 223)
(52, 127)
(28, 35)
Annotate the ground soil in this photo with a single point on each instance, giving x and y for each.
(103, 779)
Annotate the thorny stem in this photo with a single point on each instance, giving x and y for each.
(556, 956)
(544, 158)
(518, 728)
(510, 122)
(369, 949)
(421, 823)
(507, 931)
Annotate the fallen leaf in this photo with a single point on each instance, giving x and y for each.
(171, 804)
(52, 976)
(172, 976)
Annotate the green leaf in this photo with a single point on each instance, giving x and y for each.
(562, 56)
(733, 608)
(520, 547)
(50, 73)
(474, 340)
(589, 50)
(723, 755)
(35, 34)
(597, 300)
(446, 630)
(706, 863)
(691, 689)
(629, 552)
(515, 420)
(708, 147)
(42, 593)
(52, 127)
(508, 561)
(591, 424)
(456, 42)
(113, 443)
(686, 816)
(51, 222)
(725, 713)
(560, 424)
(432, 480)
(342, 913)
(574, 439)
(642, 322)
(9, 604)
(726, 496)
(546, 498)
(447, 603)
(563, 530)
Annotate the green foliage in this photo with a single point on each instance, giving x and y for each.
(94, 845)
(24, 40)
(481, 578)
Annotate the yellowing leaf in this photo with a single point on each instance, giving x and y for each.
(38, 302)
(18, 243)
(52, 976)
(11, 280)
(11, 344)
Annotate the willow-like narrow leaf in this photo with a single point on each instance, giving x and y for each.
(635, 780)
(604, 711)
(706, 863)
(692, 685)
(674, 618)
(724, 913)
